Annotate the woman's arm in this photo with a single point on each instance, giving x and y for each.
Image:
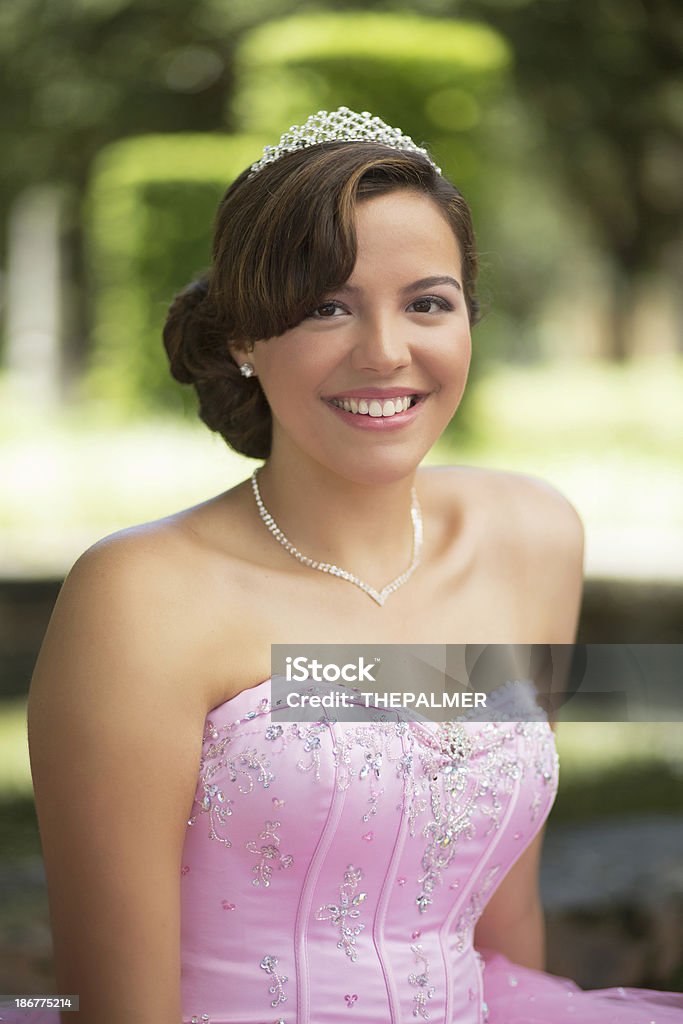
(550, 563)
(115, 727)
(513, 922)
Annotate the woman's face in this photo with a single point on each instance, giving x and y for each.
(399, 324)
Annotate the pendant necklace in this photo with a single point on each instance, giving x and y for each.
(379, 596)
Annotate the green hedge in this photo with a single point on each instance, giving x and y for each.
(150, 211)
(431, 77)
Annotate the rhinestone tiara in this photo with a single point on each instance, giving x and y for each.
(341, 125)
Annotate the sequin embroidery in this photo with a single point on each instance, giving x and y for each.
(474, 909)
(250, 761)
(447, 771)
(449, 783)
(245, 768)
(268, 853)
(346, 910)
(269, 965)
(216, 805)
(425, 990)
(311, 738)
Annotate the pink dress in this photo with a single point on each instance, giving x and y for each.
(335, 871)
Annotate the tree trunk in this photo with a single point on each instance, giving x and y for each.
(618, 337)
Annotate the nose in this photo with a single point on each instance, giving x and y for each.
(381, 345)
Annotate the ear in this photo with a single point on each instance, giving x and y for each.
(239, 351)
(237, 348)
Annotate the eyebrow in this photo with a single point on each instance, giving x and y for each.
(424, 282)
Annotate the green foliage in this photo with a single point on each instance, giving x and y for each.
(431, 77)
(601, 83)
(150, 211)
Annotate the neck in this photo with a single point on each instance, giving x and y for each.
(364, 528)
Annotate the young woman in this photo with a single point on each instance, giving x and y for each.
(205, 862)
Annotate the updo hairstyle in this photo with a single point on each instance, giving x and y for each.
(283, 240)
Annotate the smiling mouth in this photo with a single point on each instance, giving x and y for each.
(374, 407)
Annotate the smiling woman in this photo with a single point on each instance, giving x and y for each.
(205, 861)
(392, 323)
(286, 242)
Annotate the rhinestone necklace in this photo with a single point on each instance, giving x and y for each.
(379, 596)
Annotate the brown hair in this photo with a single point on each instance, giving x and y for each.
(283, 239)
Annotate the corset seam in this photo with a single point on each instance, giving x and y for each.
(444, 931)
(383, 905)
(302, 963)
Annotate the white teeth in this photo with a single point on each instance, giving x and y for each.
(373, 407)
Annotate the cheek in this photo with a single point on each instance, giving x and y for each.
(288, 385)
(452, 352)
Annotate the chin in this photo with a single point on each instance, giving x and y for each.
(379, 469)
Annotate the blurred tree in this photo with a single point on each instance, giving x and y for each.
(152, 201)
(605, 81)
(78, 74)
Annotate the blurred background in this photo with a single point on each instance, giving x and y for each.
(121, 125)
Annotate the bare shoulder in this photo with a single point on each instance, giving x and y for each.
(140, 563)
(136, 590)
(115, 735)
(547, 513)
(534, 537)
(550, 530)
(517, 501)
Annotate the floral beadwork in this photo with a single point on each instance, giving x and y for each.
(382, 746)
(425, 991)
(417, 795)
(269, 854)
(245, 768)
(248, 761)
(215, 803)
(373, 800)
(346, 910)
(414, 802)
(475, 906)
(269, 965)
(311, 740)
(451, 819)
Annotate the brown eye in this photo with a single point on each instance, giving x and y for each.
(423, 305)
(326, 311)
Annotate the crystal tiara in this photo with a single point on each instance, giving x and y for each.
(341, 125)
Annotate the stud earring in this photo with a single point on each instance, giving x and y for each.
(247, 370)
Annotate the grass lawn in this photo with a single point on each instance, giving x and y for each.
(610, 438)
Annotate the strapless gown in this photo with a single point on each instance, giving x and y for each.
(335, 871)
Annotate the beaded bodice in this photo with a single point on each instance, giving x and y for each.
(331, 867)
